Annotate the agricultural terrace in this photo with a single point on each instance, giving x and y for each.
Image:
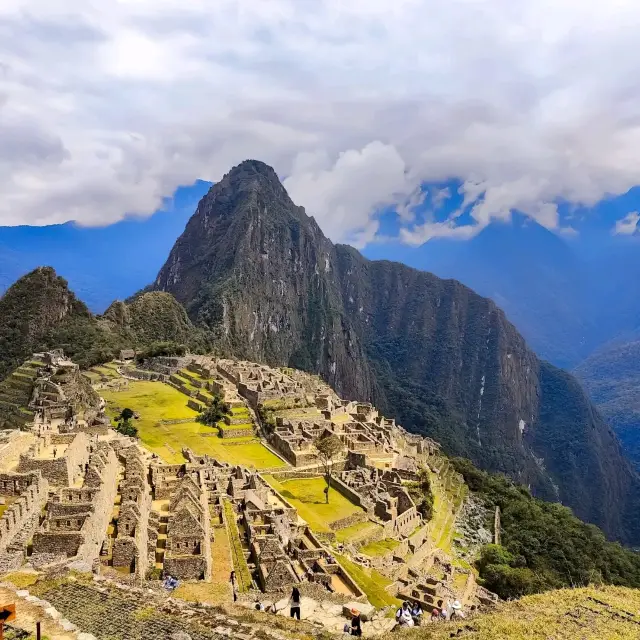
(307, 496)
(156, 403)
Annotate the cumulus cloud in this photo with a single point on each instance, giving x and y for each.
(628, 225)
(344, 194)
(107, 106)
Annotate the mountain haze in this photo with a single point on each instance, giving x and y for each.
(259, 273)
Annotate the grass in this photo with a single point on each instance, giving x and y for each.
(22, 580)
(156, 401)
(307, 496)
(569, 614)
(371, 582)
(243, 577)
(356, 531)
(380, 548)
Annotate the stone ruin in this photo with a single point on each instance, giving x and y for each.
(384, 498)
(25, 494)
(129, 547)
(77, 516)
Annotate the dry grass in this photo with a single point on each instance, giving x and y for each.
(569, 614)
(22, 579)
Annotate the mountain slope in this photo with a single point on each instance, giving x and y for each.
(612, 377)
(33, 311)
(39, 312)
(260, 274)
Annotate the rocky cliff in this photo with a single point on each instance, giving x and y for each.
(258, 271)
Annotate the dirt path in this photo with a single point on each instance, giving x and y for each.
(28, 614)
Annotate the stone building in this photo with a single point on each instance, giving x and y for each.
(60, 458)
(188, 550)
(76, 518)
(130, 545)
(26, 494)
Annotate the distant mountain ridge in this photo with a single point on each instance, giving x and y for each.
(259, 273)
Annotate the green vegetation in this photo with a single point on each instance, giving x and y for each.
(157, 403)
(307, 496)
(607, 613)
(544, 546)
(327, 449)
(243, 577)
(379, 548)
(371, 582)
(422, 494)
(215, 412)
(357, 531)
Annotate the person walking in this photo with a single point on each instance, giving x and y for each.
(232, 580)
(356, 623)
(295, 603)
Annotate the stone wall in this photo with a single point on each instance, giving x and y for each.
(64, 470)
(233, 432)
(354, 518)
(20, 515)
(95, 527)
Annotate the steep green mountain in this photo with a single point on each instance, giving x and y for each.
(258, 271)
(39, 312)
(153, 317)
(612, 377)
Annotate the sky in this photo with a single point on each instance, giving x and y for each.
(423, 118)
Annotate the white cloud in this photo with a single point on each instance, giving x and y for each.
(107, 105)
(628, 225)
(343, 195)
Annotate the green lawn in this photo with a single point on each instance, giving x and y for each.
(307, 496)
(155, 401)
(356, 531)
(371, 582)
(379, 548)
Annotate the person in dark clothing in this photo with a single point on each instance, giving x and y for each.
(356, 623)
(295, 602)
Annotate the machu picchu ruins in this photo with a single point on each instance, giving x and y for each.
(203, 500)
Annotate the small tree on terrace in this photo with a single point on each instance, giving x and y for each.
(327, 450)
(214, 413)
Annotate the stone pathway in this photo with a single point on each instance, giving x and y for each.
(331, 616)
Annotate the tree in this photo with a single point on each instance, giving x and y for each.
(327, 450)
(214, 413)
(126, 414)
(422, 494)
(126, 428)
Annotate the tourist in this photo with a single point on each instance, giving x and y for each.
(356, 623)
(435, 615)
(403, 615)
(55, 453)
(416, 614)
(294, 603)
(456, 610)
(232, 580)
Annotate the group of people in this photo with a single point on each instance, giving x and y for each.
(411, 616)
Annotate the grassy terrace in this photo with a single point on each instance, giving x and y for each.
(243, 576)
(371, 582)
(307, 496)
(379, 548)
(586, 614)
(156, 402)
(357, 531)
